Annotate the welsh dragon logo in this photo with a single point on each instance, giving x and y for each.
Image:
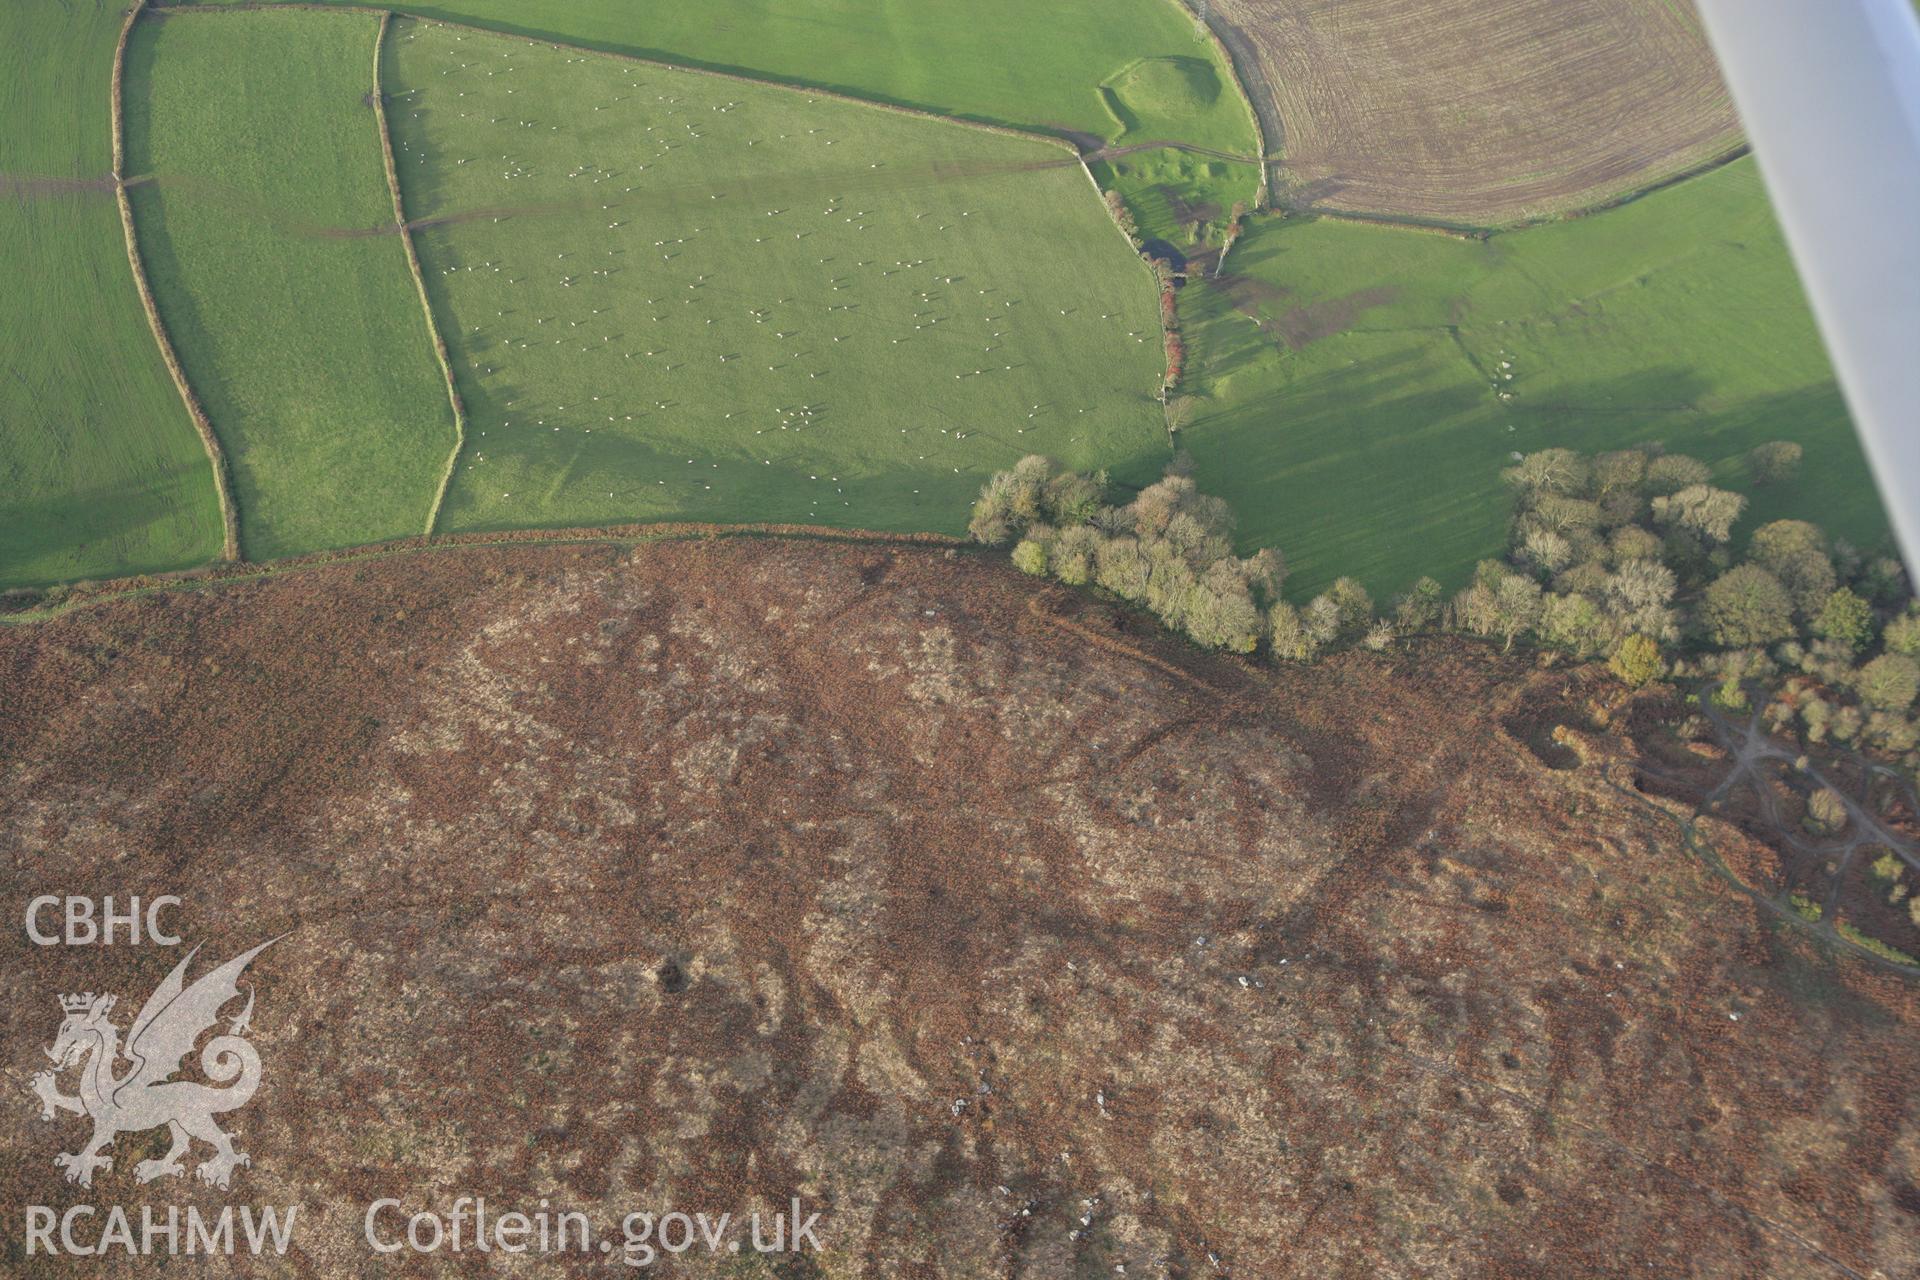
(142, 1096)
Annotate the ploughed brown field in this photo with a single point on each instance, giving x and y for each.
(712, 873)
(1481, 112)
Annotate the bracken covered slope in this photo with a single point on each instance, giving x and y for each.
(711, 873)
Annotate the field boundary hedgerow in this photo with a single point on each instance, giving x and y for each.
(1078, 150)
(85, 595)
(1170, 336)
(1260, 158)
(1483, 231)
(440, 352)
(1434, 226)
(1043, 127)
(216, 456)
(891, 414)
(1100, 194)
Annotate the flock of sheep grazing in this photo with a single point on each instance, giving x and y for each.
(632, 261)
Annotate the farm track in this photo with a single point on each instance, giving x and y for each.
(1748, 749)
(30, 186)
(26, 186)
(1041, 607)
(216, 456)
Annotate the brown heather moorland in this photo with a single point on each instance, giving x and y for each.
(1477, 112)
(704, 874)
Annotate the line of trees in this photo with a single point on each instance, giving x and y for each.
(1629, 557)
(1170, 549)
(1175, 346)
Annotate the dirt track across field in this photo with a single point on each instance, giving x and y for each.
(1477, 112)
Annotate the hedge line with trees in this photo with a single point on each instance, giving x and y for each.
(1629, 557)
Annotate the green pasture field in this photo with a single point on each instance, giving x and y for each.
(101, 472)
(1362, 387)
(1118, 71)
(1132, 70)
(671, 295)
(269, 237)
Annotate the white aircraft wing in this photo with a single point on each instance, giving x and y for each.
(1829, 92)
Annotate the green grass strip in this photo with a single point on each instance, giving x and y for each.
(101, 473)
(216, 456)
(267, 227)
